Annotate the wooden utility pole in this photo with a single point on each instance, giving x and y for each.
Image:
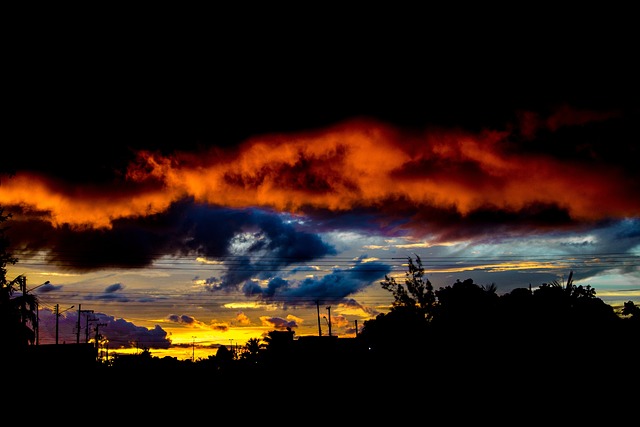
(23, 304)
(319, 324)
(36, 325)
(58, 313)
(86, 325)
(98, 333)
(78, 325)
(57, 317)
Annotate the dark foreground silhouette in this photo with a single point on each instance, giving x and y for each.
(462, 339)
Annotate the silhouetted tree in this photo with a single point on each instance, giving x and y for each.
(517, 316)
(630, 309)
(277, 347)
(465, 316)
(405, 327)
(553, 326)
(224, 357)
(557, 322)
(251, 351)
(571, 309)
(416, 295)
(466, 304)
(18, 314)
(630, 331)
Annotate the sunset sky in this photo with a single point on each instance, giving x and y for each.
(272, 188)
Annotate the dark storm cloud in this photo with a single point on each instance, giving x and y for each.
(219, 232)
(385, 219)
(254, 240)
(399, 217)
(268, 242)
(614, 244)
(489, 223)
(597, 137)
(128, 244)
(334, 287)
(273, 286)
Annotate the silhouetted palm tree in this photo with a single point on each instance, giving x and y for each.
(18, 314)
(252, 349)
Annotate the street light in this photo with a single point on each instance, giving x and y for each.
(36, 326)
(58, 313)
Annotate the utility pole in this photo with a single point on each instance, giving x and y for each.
(319, 324)
(97, 333)
(193, 350)
(58, 313)
(329, 318)
(78, 326)
(22, 280)
(23, 304)
(86, 327)
(36, 326)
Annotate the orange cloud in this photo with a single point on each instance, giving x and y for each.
(354, 164)
(78, 205)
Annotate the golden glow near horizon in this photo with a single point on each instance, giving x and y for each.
(203, 331)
